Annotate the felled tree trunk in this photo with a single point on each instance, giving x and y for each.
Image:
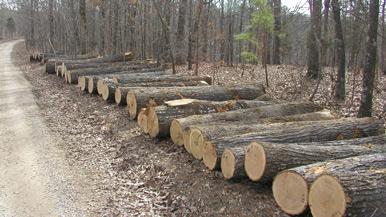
(354, 186)
(121, 92)
(179, 126)
(161, 117)
(127, 79)
(141, 98)
(319, 131)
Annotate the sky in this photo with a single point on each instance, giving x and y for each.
(302, 5)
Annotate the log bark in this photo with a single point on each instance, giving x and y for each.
(318, 131)
(121, 92)
(199, 134)
(283, 109)
(157, 96)
(291, 187)
(72, 76)
(160, 118)
(359, 193)
(124, 79)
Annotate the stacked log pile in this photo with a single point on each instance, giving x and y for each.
(312, 158)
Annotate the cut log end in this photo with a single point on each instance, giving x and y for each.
(228, 164)
(90, 86)
(69, 77)
(327, 197)
(196, 143)
(132, 105)
(100, 86)
(290, 191)
(186, 135)
(118, 96)
(179, 102)
(152, 122)
(209, 156)
(142, 121)
(82, 83)
(176, 133)
(105, 92)
(255, 161)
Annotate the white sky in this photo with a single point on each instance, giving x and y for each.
(301, 5)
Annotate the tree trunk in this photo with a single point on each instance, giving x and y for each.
(180, 125)
(314, 70)
(142, 97)
(161, 78)
(121, 92)
(200, 134)
(365, 109)
(353, 186)
(51, 23)
(325, 39)
(277, 31)
(180, 57)
(317, 131)
(291, 187)
(340, 92)
(160, 118)
(83, 27)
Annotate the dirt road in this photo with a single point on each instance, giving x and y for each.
(33, 174)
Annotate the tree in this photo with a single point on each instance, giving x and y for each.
(365, 109)
(314, 40)
(263, 19)
(181, 32)
(277, 31)
(83, 26)
(51, 21)
(340, 49)
(11, 27)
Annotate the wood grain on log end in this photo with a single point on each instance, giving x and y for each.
(186, 135)
(142, 120)
(228, 164)
(196, 143)
(131, 105)
(82, 83)
(327, 197)
(100, 86)
(105, 92)
(209, 156)
(118, 96)
(91, 87)
(152, 122)
(290, 191)
(255, 161)
(176, 133)
(64, 70)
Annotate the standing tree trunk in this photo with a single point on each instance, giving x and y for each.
(83, 27)
(181, 32)
(383, 45)
(340, 92)
(314, 70)
(51, 23)
(196, 30)
(325, 33)
(190, 38)
(32, 23)
(370, 61)
(277, 29)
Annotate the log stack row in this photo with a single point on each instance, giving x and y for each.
(315, 161)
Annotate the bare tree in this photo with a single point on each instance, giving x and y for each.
(314, 42)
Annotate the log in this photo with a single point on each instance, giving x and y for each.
(121, 92)
(339, 198)
(291, 187)
(350, 187)
(160, 118)
(180, 126)
(318, 131)
(76, 64)
(72, 76)
(199, 134)
(125, 79)
(140, 98)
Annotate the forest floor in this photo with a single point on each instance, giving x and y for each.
(130, 174)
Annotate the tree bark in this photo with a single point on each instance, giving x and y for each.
(314, 70)
(365, 109)
(121, 92)
(353, 186)
(277, 31)
(161, 78)
(142, 97)
(160, 118)
(340, 93)
(317, 131)
(180, 57)
(83, 27)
